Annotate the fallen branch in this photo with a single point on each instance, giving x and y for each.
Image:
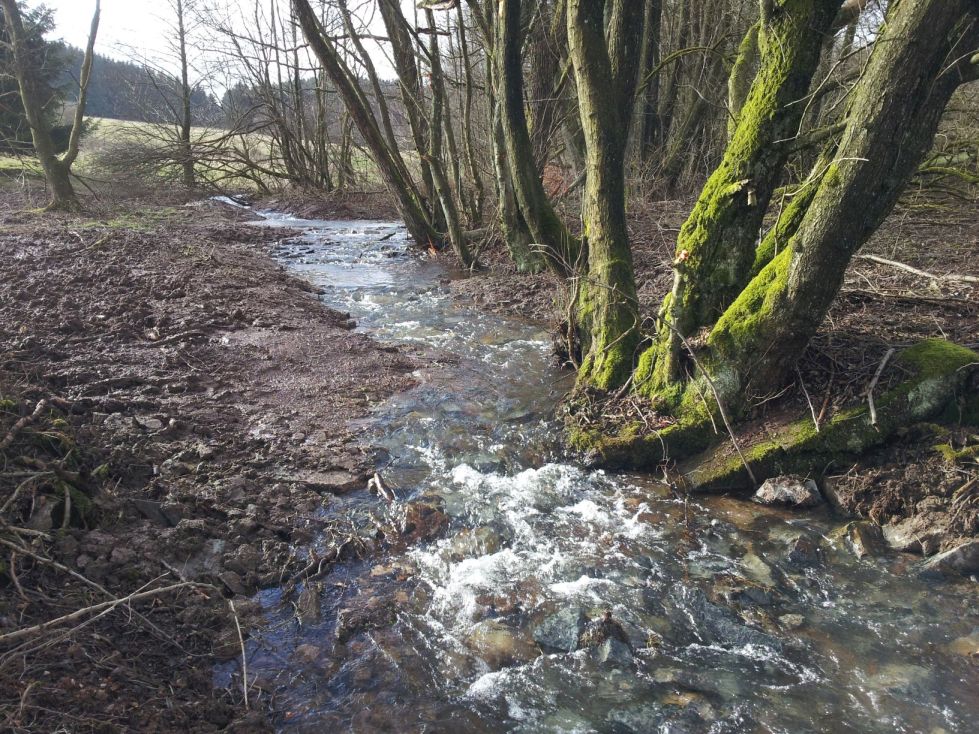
(178, 337)
(80, 613)
(873, 384)
(22, 423)
(378, 483)
(916, 271)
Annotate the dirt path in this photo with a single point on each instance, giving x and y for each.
(201, 398)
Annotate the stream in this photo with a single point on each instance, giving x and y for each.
(736, 617)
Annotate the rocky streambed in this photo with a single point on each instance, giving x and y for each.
(522, 592)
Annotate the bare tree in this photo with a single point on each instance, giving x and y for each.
(57, 170)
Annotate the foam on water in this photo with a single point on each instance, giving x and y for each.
(699, 587)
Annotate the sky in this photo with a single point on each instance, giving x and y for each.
(128, 28)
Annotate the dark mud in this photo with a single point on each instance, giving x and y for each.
(201, 398)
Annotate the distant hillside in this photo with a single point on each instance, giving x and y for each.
(123, 90)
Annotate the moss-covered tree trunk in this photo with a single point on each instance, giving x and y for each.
(716, 246)
(920, 57)
(560, 248)
(605, 72)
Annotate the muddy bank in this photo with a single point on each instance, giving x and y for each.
(202, 399)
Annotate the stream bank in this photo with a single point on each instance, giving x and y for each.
(728, 616)
(204, 397)
(467, 628)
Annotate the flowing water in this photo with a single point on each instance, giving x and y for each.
(733, 623)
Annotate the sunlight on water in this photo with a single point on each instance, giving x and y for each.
(724, 630)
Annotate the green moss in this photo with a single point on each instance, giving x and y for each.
(953, 456)
(832, 177)
(629, 450)
(799, 448)
(757, 305)
(937, 357)
(101, 471)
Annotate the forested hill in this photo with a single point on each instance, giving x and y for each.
(125, 90)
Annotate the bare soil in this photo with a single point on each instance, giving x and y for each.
(197, 416)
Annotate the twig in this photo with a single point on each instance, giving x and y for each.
(79, 613)
(717, 397)
(383, 490)
(85, 580)
(812, 410)
(873, 384)
(244, 658)
(916, 271)
(25, 421)
(177, 337)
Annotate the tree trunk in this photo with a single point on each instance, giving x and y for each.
(57, 171)
(186, 152)
(649, 123)
(716, 246)
(391, 167)
(438, 129)
(561, 250)
(607, 306)
(919, 59)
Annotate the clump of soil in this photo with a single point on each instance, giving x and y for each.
(196, 409)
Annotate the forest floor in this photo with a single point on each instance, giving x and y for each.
(197, 404)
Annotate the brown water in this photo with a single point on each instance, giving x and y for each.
(729, 631)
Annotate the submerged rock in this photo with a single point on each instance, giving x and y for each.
(864, 538)
(714, 624)
(599, 630)
(804, 550)
(650, 717)
(479, 541)
(500, 645)
(561, 630)
(420, 521)
(789, 490)
(613, 653)
(963, 559)
(791, 621)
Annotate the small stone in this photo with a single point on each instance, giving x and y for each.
(234, 583)
(791, 621)
(967, 646)
(149, 423)
(307, 653)
(561, 630)
(961, 560)
(789, 490)
(613, 653)
(499, 645)
(803, 551)
(308, 604)
(865, 538)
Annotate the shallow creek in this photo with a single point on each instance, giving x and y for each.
(734, 624)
